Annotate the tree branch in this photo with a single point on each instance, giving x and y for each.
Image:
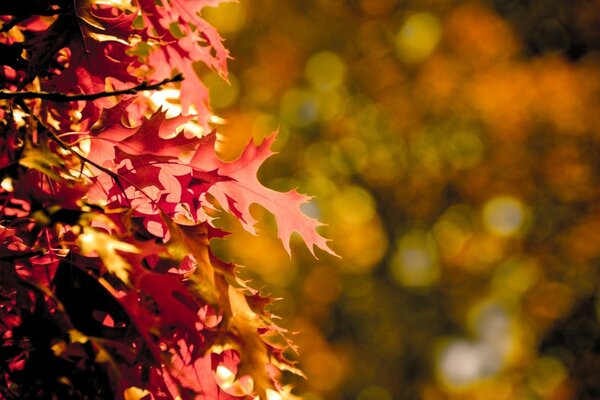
(8, 25)
(62, 97)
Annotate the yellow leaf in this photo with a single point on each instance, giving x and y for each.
(244, 324)
(93, 242)
(42, 159)
(58, 348)
(193, 240)
(135, 393)
(77, 337)
(120, 4)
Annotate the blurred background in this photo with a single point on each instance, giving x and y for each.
(453, 149)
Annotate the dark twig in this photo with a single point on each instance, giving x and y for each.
(114, 175)
(8, 25)
(62, 97)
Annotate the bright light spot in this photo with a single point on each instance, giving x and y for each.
(418, 37)
(493, 326)
(19, 116)
(273, 395)
(415, 263)
(122, 4)
(7, 184)
(214, 119)
(325, 70)
(168, 99)
(221, 143)
(493, 323)
(85, 145)
(224, 376)
(503, 216)
(87, 238)
(192, 129)
(461, 363)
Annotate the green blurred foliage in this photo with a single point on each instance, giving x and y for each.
(453, 151)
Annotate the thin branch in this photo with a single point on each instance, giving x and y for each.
(84, 159)
(8, 25)
(115, 176)
(54, 137)
(62, 97)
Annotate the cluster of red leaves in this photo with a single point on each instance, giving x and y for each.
(108, 287)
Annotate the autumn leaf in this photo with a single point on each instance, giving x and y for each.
(193, 240)
(42, 159)
(244, 325)
(93, 242)
(86, 32)
(108, 210)
(243, 189)
(235, 185)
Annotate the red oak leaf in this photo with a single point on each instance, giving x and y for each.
(141, 307)
(147, 159)
(214, 54)
(244, 189)
(165, 313)
(149, 138)
(144, 157)
(198, 42)
(153, 137)
(198, 377)
(98, 51)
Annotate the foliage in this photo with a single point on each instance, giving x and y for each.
(109, 288)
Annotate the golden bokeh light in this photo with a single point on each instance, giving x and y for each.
(418, 37)
(228, 17)
(504, 216)
(451, 148)
(415, 263)
(325, 71)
